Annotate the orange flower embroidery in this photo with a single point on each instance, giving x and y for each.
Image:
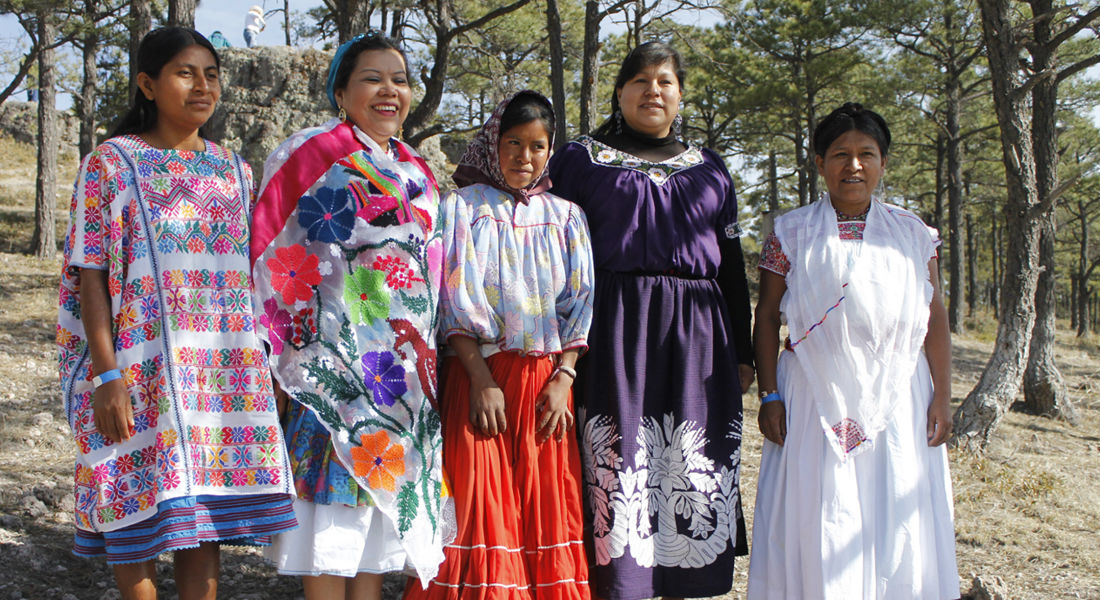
(379, 461)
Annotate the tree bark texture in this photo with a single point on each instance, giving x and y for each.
(141, 21)
(984, 407)
(557, 71)
(953, 141)
(182, 12)
(590, 65)
(1044, 387)
(89, 83)
(43, 241)
(971, 269)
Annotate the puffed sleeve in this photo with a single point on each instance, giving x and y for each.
(574, 304)
(464, 305)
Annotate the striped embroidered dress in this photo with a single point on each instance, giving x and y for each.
(206, 459)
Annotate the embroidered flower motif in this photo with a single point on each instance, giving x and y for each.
(385, 380)
(849, 434)
(365, 292)
(657, 175)
(328, 216)
(293, 272)
(605, 156)
(398, 274)
(631, 163)
(378, 461)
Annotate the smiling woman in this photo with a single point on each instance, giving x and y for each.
(347, 257)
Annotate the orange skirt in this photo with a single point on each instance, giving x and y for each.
(517, 501)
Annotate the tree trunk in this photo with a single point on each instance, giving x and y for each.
(141, 21)
(954, 204)
(182, 12)
(590, 65)
(985, 405)
(939, 210)
(971, 269)
(286, 21)
(85, 102)
(1082, 274)
(994, 255)
(557, 71)
(351, 18)
(1044, 388)
(44, 242)
(811, 124)
(773, 183)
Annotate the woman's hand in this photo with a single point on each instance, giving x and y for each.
(747, 374)
(112, 411)
(487, 407)
(773, 421)
(553, 407)
(939, 421)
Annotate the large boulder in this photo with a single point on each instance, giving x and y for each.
(19, 121)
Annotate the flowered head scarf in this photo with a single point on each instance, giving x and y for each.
(481, 161)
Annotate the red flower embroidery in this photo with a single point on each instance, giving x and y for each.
(293, 272)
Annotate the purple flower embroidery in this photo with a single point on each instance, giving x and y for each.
(278, 324)
(385, 379)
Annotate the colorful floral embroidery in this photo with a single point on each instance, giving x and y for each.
(379, 461)
(327, 216)
(184, 342)
(294, 273)
(384, 379)
(849, 434)
(367, 296)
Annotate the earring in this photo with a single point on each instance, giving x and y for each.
(618, 121)
(678, 126)
(343, 114)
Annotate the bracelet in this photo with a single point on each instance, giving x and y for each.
(106, 376)
(770, 397)
(571, 372)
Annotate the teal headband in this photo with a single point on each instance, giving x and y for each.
(334, 66)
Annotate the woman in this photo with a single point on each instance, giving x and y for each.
(178, 438)
(515, 311)
(670, 351)
(854, 496)
(347, 258)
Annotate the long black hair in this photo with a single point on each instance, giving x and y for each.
(156, 49)
(849, 116)
(643, 56)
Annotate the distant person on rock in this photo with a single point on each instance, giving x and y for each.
(854, 498)
(166, 385)
(253, 24)
(347, 259)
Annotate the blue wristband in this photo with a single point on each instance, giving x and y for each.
(106, 376)
(772, 397)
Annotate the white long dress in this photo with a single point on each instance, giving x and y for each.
(875, 524)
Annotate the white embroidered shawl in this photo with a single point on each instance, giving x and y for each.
(857, 313)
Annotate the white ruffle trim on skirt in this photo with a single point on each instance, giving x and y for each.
(336, 539)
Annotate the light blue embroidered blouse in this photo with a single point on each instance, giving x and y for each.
(516, 276)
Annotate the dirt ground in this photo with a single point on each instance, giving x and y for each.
(1027, 511)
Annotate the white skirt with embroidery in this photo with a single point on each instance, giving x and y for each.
(877, 526)
(336, 539)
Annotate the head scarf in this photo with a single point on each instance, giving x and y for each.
(334, 66)
(481, 161)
